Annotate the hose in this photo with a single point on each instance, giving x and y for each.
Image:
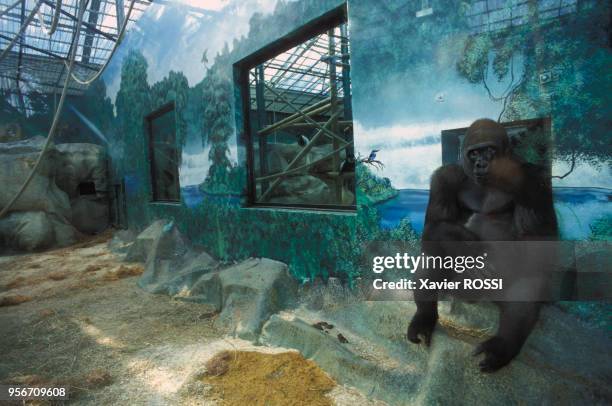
(54, 21)
(119, 38)
(21, 30)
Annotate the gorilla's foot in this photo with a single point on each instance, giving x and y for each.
(498, 352)
(422, 324)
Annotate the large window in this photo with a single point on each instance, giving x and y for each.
(299, 122)
(163, 154)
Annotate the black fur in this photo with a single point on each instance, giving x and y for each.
(530, 215)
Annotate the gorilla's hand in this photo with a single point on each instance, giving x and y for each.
(506, 173)
(422, 324)
(497, 351)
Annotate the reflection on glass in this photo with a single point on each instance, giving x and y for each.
(301, 125)
(164, 155)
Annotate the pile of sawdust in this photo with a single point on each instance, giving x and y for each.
(58, 275)
(254, 378)
(97, 378)
(13, 300)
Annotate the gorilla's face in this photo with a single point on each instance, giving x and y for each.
(485, 140)
(480, 157)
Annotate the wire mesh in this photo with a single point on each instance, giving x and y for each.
(37, 62)
(302, 73)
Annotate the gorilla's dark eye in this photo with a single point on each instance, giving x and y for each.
(473, 154)
(491, 152)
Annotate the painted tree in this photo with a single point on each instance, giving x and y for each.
(574, 52)
(173, 88)
(133, 102)
(217, 120)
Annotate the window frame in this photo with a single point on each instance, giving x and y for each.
(310, 29)
(165, 109)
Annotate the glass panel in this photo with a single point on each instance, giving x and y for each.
(301, 124)
(164, 157)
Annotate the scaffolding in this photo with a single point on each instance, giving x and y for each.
(305, 92)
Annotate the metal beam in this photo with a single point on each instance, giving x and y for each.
(12, 17)
(93, 67)
(313, 141)
(187, 7)
(36, 82)
(120, 13)
(346, 72)
(85, 24)
(19, 57)
(333, 93)
(261, 121)
(94, 10)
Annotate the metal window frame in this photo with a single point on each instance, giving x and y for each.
(320, 25)
(165, 109)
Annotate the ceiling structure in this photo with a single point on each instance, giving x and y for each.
(302, 73)
(495, 15)
(37, 61)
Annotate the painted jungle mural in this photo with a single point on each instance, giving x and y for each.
(540, 60)
(415, 77)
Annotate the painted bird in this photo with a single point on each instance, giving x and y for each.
(372, 156)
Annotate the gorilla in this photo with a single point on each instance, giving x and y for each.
(492, 195)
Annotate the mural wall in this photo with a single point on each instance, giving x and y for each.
(195, 70)
(415, 72)
(497, 59)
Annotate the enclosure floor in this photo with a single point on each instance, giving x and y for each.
(75, 316)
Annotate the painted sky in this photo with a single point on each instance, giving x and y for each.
(412, 107)
(412, 152)
(173, 38)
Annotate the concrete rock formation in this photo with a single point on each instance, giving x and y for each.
(67, 195)
(16, 162)
(363, 343)
(81, 162)
(252, 291)
(35, 230)
(83, 176)
(554, 367)
(245, 294)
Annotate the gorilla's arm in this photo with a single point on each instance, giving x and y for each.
(443, 222)
(535, 213)
(534, 219)
(516, 320)
(530, 186)
(444, 217)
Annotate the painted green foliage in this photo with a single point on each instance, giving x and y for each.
(601, 229)
(173, 88)
(96, 105)
(223, 176)
(573, 51)
(133, 99)
(372, 189)
(133, 104)
(312, 243)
